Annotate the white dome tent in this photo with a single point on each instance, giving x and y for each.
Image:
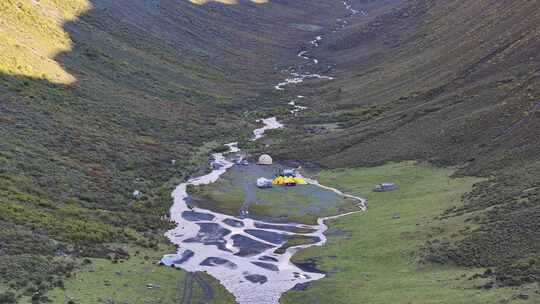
(265, 159)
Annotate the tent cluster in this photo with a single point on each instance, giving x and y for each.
(288, 181)
(288, 178)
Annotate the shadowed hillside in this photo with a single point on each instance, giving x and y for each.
(103, 98)
(105, 105)
(454, 83)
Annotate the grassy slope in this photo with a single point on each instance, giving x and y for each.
(71, 155)
(32, 37)
(376, 260)
(129, 282)
(453, 83)
(99, 96)
(454, 79)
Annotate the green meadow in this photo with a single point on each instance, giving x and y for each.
(237, 189)
(377, 256)
(138, 280)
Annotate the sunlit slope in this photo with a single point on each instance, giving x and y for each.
(32, 35)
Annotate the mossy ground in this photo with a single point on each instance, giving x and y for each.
(294, 241)
(377, 256)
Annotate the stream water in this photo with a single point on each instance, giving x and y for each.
(239, 251)
(298, 78)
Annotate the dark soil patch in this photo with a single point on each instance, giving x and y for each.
(268, 258)
(268, 236)
(309, 265)
(249, 246)
(292, 229)
(256, 278)
(193, 216)
(233, 223)
(214, 261)
(267, 266)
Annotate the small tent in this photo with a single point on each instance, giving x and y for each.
(289, 181)
(279, 181)
(385, 187)
(264, 183)
(289, 172)
(299, 180)
(265, 159)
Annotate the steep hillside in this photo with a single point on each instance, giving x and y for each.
(100, 99)
(450, 82)
(106, 104)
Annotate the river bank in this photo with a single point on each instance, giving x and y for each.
(239, 251)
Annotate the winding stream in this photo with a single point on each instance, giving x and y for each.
(239, 251)
(269, 124)
(298, 78)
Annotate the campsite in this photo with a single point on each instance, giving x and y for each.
(236, 192)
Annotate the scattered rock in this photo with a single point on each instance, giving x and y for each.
(216, 165)
(137, 194)
(153, 286)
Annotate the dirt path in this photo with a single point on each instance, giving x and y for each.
(249, 199)
(187, 289)
(208, 291)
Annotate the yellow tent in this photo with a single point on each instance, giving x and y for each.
(289, 180)
(280, 180)
(300, 180)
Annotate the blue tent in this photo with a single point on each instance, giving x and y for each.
(385, 187)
